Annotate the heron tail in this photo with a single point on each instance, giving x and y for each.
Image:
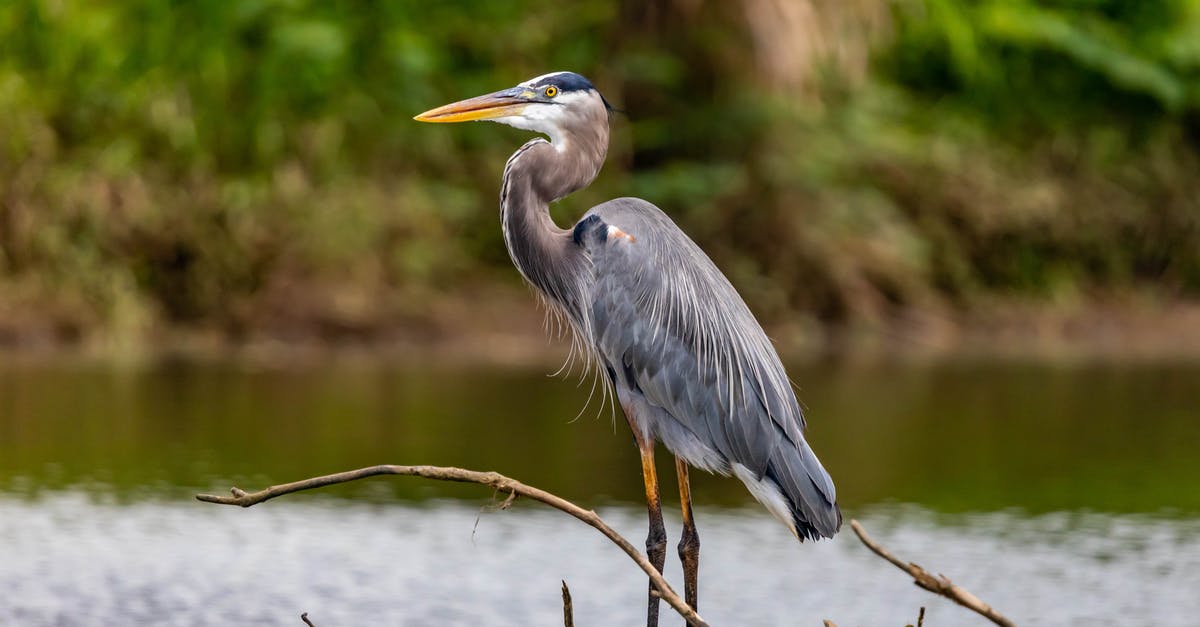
(797, 490)
(808, 490)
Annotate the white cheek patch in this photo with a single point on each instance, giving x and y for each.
(535, 118)
(549, 118)
(567, 99)
(616, 234)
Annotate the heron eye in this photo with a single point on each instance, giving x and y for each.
(551, 91)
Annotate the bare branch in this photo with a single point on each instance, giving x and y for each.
(568, 612)
(304, 617)
(938, 585)
(493, 479)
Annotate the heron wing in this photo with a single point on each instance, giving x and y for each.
(671, 328)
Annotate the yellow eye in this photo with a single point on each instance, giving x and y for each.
(551, 91)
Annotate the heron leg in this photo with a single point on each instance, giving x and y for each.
(689, 542)
(656, 539)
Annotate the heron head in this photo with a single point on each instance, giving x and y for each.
(549, 104)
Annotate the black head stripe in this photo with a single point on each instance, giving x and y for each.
(566, 81)
(570, 81)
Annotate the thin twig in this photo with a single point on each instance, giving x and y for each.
(493, 479)
(304, 617)
(568, 612)
(937, 585)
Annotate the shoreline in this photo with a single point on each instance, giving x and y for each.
(513, 335)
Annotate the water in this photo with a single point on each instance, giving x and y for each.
(1062, 495)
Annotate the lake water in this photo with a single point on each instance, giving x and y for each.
(1060, 494)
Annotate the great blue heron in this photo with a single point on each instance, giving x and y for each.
(690, 365)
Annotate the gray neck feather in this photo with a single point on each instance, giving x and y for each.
(537, 174)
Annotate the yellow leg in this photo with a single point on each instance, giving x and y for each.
(656, 539)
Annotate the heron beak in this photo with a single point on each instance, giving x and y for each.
(495, 105)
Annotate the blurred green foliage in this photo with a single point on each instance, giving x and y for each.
(251, 166)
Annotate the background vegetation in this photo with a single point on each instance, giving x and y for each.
(250, 169)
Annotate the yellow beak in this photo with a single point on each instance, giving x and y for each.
(495, 105)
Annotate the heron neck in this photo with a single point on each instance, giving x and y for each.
(537, 174)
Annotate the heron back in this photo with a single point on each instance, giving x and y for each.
(686, 354)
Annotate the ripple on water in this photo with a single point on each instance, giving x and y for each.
(69, 559)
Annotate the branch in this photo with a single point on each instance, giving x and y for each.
(937, 585)
(492, 479)
(568, 612)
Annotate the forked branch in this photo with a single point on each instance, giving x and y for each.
(938, 585)
(494, 480)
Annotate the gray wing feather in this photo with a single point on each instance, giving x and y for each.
(673, 331)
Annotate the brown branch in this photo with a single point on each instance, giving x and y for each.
(568, 612)
(304, 617)
(492, 479)
(938, 585)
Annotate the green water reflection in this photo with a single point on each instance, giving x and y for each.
(951, 437)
